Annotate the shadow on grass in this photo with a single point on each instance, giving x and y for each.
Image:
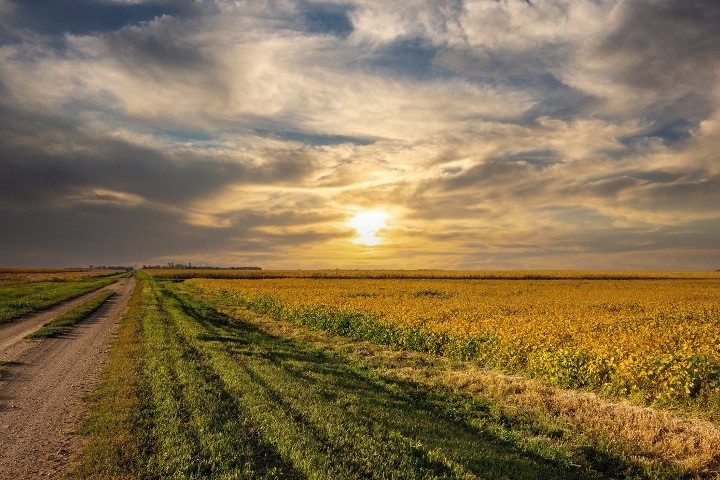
(449, 434)
(221, 406)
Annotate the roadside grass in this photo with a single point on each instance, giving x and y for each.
(160, 413)
(656, 442)
(16, 276)
(652, 439)
(197, 429)
(27, 298)
(191, 393)
(113, 438)
(65, 322)
(331, 418)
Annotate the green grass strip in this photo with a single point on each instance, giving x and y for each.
(195, 427)
(114, 446)
(332, 418)
(28, 298)
(65, 322)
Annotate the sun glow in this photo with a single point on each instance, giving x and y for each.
(367, 224)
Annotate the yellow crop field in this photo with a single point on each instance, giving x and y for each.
(653, 340)
(231, 273)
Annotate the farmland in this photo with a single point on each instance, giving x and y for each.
(654, 341)
(26, 291)
(14, 276)
(301, 377)
(182, 274)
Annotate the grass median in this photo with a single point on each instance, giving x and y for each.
(31, 297)
(67, 320)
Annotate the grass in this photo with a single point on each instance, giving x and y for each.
(191, 393)
(27, 298)
(67, 320)
(16, 276)
(654, 343)
(619, 429)
(113, 429)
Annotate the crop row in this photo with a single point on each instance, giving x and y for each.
(654, 342)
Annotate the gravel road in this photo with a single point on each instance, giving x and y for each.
(41, 395)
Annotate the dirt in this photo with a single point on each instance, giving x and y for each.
(42, 392)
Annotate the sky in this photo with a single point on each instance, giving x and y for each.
(474, 134)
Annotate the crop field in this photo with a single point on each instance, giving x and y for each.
(25, 292)
(301, 377)
(654, 341)
(178, 274)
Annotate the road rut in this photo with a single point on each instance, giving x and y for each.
(41, 395)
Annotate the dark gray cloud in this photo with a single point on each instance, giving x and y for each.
(518, 175)
(161, 46)
(663, 54)
(49, 158)
(327, 18)
(50, 17)
(531, 68)
(108, 234)
(664, 45)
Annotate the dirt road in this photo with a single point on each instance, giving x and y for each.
(41, 396)
(14, 331)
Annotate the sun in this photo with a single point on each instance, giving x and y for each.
(368, 223)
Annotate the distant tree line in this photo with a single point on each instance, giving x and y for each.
(110, 267)
(202, 267)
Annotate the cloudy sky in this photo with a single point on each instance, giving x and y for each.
(490, 134)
